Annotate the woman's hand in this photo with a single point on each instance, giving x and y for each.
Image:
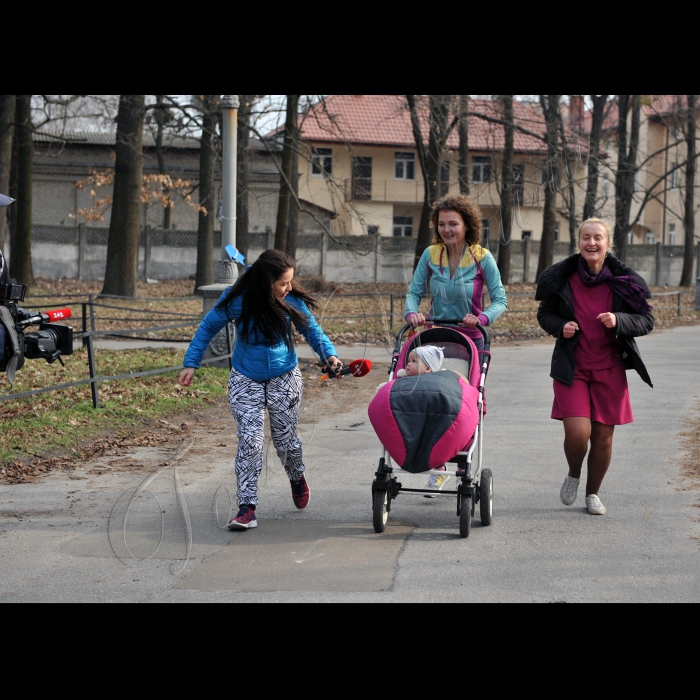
(607, 319)
(569, 329)
(186, 376)
(333, 361)
(416, 320)
(470, 321)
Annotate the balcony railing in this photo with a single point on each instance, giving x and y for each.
(370, 189)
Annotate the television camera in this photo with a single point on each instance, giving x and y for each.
(50, 342)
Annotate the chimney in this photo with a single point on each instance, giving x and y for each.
(576, 112)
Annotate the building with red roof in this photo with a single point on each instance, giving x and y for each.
(361, 163)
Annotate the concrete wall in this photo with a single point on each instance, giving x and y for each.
(57, 252)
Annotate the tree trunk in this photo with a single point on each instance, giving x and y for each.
(506, 189)
(550, 109)
(243, 178)
(207, 161)
(124, 227)
(689, 218)
(21, 243)
(430, 160)
(293, 227)
(598, 114)
(626, 169)
(287, 168)
(464, 144)
(7, 120)
(160, 115)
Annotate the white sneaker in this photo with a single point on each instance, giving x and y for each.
(436, 482)
(595, 507)
(569, 489)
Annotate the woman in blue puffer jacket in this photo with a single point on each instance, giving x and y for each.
(264, 303)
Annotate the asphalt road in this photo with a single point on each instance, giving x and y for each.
(67, 540)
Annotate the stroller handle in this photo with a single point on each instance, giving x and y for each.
(457, 323)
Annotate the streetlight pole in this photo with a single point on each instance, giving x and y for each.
(228, 272)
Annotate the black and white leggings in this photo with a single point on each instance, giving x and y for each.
(249, 399)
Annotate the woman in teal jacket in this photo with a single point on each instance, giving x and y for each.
(456, 270)
(264, 303)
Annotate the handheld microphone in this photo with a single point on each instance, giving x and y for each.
(358, 368)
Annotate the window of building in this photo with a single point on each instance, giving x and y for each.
(445, 177)
(606, 187)
(629, 238)
(672, 234)
(556, 232)
(481, 169)
(403, 225)
(637, 180)
(321, 161)
(650, 237)
(526, 234)
(544, 173)
(404, 165)
(674, 177)
(373, 230)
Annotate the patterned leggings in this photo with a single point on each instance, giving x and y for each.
(249, 399)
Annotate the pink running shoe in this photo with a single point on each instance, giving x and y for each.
(300, 493)
(245, 520)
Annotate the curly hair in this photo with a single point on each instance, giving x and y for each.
(466, 208)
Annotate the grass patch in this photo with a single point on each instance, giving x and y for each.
(64, 421)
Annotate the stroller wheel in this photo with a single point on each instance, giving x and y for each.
(465, 515)
(486, 497)
(380, 512)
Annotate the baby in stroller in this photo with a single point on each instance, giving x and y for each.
(427, 358)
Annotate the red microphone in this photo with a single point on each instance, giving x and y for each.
(27, 319)
(56, 315)
(358, 368)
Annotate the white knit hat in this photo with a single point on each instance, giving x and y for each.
(431, 356)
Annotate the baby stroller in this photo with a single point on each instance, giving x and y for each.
(449, 407)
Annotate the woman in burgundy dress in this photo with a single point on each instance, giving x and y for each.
(594, 306)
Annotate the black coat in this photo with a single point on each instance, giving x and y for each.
(557, 309)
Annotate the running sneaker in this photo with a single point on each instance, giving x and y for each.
(569, 489)
(300, 493)
(436, 482)
(595, 507)
(245, 520)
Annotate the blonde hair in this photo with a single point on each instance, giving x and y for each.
(599, 222)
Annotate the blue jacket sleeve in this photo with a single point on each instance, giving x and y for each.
(313, 333)
(497, 292)
(211, 324)
(417, 288)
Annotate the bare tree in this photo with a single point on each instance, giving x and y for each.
(7, 119)
(243, 176)
(507, 190)
(689, 214)
(599, 103)
(288, 161)
(161, 116)
(439, 108)
(552, 116)
(123, 241)
(21, 232)
(211, 108)
(628, 106)
(463, 168)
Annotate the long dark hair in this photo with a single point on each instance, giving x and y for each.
(262, 311)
